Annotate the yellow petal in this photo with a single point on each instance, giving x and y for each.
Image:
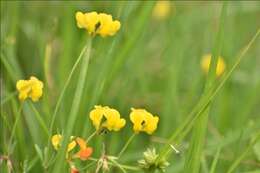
(81, 20)
(151, 125)
(96, 116)
(36, 88)
(92, 20)
(119, 124)
(108, 27)
(137, 117)
(143, 121)
(71, 146)
(56, 141)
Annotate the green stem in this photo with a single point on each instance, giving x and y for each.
(39, 118)
(243, 155)
(91, 136)
(126, 145)
(9, 97)
(15, 125)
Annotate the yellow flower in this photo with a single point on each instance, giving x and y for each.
(57, 139)
(95, 23)
(105, 117)
(88, 21)
(162, 9)
(108, 27)
(31, 88)
(205, 64)
(143, 121)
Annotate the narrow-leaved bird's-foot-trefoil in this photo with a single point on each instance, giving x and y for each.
(31, 88)
(98, 23)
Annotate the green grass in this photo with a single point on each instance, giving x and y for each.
(150, 63)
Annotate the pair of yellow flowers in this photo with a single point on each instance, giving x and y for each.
(97, 23)
(109, 118)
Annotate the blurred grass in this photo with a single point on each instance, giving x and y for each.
(150, 63)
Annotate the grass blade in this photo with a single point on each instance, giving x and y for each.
(215, 161)
(201, 106)
(194, 155)
(243, 155)
(74, 109)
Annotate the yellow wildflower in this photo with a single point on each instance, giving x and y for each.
(95, 23)
(88, 21)
(205, 64)
(56, 142)
(162, 9)
(106, 117)
(108, 27)
(143, 121)
(31, 88)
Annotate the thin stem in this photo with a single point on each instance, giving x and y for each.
(40, 120)
(9, 97)
(91, 136)
(126, 145)
(15, 125)
(243, 154)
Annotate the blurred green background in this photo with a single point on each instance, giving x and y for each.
(152, 63)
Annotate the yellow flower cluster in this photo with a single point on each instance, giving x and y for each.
(31, 88)
(143, 121)
(84, 153)
(105, 117)
(56, 142)
(205, 64)
(102, 24)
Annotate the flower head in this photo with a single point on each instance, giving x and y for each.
(84, 152)
(205, 64)
(143, 121)
(57, 139)
(106, 117)
(95, 23)
(162, 9)
(31, 88)
(149, 161)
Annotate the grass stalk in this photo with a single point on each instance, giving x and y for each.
(126, 145)
(215, 161)
(40, 119)
(15, 125)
